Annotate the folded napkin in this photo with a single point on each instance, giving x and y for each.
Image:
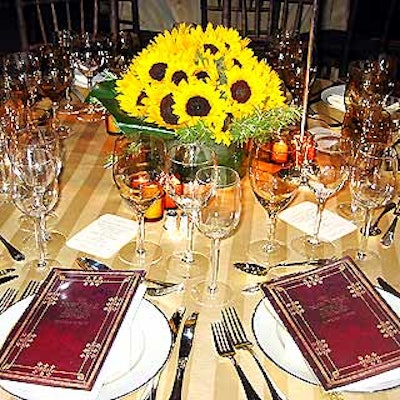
(337, 101)
(105, 236)
(115, 354)
(81, 80)
(343, 327)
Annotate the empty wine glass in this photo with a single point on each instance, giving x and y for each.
(325, 171)
(138, 173)
(89, 58)
(217, 220)
(274, 179)
(183, 162)
(373, 185)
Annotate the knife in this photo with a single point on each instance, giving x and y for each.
(184, 352)
(8, 278)
(174, 322)
(388, 287)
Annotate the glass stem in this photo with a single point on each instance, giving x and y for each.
(314, 240)
(215, 250)
(188, 257)
(269, 245)
(140, 237)
(40, 243)
(361, 253)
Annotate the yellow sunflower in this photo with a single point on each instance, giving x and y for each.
(239, 58)
(151, 66)
(195, 101)
(180, 69)
(231, 38)
(160, 102)
(245, 90)
(273, 84)
(131, 93)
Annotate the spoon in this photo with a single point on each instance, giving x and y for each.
(261, 270)
(14, 252)
(388, 238)
(374, 230)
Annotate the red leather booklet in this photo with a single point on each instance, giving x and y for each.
(64, 336)
(343, 327)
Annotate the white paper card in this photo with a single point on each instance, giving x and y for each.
(302, 216)
(105, 236)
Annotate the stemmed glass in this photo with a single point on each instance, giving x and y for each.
(274, 179)
(372, 185)
(183, 162)
(217, 220)
(53, 83)
(325, 171)
(34, 172)
(138, 173)
(89, 57)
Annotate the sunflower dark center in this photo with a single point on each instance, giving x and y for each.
(157, 71)
(166, 110)
(198, 106)
(179, 76)
(141, 96)
(209, 46)
(241, 91)
(237, 63)
(202, 75)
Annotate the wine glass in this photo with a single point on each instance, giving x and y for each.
(54, 80)
(274, 179)
(372, 185)
(33, 173)
(217, 220)
(183, 162)
(325, 171)
(138, 173)
(89, 57)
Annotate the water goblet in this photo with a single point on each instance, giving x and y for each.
(183, 162)
(138, 173)
(325, 170)
(274, 179)
(372, 185)
(217, 220)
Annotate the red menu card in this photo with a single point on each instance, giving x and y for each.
(63, 337)
(343, 327)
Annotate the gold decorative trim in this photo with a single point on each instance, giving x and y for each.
(313, 280)
(26, 340)
(387, 329)
(356, 289)
(369, 359)
(93, 281)
(91, 350)
(51, 298)
(43, 369)
(113, 304)
(321, 347)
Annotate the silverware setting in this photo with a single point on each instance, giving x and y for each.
(223, 345)
(261, 270)
(7, 278)
(174, 323)
(31, 288)
(234, 326)
(185, 347)
(7, 299)
(13, 251)
(388, 237)
(6, 271)
(387, 286)
(374, 229)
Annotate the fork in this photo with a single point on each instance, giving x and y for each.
(224, 348)
(7, 298)
(32, 288)
(234, 326)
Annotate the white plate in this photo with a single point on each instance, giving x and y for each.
(334, 97)
(278, 345)
(150, 333)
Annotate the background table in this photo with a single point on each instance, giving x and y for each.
(88, 191)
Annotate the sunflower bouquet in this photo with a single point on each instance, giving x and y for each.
(204, 86)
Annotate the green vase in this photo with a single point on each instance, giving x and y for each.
(233, 156)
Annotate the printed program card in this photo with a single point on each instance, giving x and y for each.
(105, 236)
(302, 216)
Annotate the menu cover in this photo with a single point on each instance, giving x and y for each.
(343, 327)
(64, 336)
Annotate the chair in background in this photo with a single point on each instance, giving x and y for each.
(38, 20)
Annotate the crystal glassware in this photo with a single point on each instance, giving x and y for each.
(183, 162)
(138, 173)
(372, 185)
(325, 170)
(217, 220)
(274, 178)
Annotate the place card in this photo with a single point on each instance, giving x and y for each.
(302, 216)
(105, 236)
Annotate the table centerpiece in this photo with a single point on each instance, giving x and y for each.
(199, 86)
